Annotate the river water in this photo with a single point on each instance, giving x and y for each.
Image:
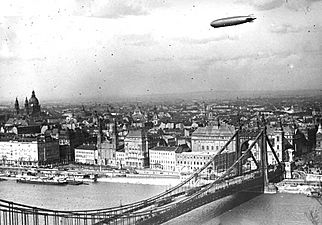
(240, 209)
(74, 197)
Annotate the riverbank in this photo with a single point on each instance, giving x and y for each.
(141, 180)
(128, 180)
(138, 179)
(297, 187)
(144, 176)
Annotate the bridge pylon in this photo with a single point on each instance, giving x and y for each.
(264, 161)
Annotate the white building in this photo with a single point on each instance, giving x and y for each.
(212, 138)
(163, 158)
(120, 158)
(29, 151)
(86, 153)
(189, 162)
(279, 143)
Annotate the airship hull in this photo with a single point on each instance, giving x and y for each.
(231, 21)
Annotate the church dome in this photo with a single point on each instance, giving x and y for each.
(33, 100)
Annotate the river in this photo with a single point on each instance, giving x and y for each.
(240, 209)
(74, 197)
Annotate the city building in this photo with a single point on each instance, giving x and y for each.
(318, 146)
(163, 158)
(136, 149)
(189, 162)
(68, 139)
(120, 158)
(276, 138)
(137, 144)
(86, 153)
(32, 107)
(29, 150)
(212, 138)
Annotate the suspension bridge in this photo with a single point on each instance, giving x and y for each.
(191, 193)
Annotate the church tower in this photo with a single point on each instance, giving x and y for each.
(26, 106)
(17, 107)
(34, 106)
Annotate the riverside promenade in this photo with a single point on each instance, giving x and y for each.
(146, 176)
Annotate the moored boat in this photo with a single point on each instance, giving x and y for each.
(314, 194)
(39, 180)
(74, 182)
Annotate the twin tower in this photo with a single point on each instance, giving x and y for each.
(32, 107)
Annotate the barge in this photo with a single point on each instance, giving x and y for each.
(38, 180)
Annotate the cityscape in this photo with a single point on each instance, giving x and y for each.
(157, 142)
(157, 112)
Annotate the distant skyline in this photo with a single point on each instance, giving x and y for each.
(103, 48)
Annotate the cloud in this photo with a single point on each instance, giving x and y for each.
(136, 39)
(161, 59)
(285, 28)
(300, 5)
(208, 40)
(288, 28)
(116, 8)
(294, 5)
(90, 8)
(262, 4)
(267, 4)
(243, 59)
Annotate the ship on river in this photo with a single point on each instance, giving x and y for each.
(41, 180)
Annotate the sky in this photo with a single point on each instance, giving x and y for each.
(78, 49)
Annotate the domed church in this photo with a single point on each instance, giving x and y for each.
(32, 107)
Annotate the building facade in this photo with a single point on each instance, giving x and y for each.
(212, 138)
(163, 158)
(318, 145)
(29, 151)
(87, 154)
(136, 145)
(136, 149)
(189, 162)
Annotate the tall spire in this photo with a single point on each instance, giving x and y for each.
(27, 106)
(17, 106)
(116, 135)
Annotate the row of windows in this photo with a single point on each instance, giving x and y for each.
(161, 153)
(85, 152)
(207, 147)
(191, 163)
(162, 161)
(80, 156)
(184, 157)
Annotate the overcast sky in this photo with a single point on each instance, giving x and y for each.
(98, 48)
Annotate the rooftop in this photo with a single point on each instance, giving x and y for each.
(164, 148)
(87, 147)
(214, 131)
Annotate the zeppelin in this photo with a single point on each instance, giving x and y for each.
(232, 21)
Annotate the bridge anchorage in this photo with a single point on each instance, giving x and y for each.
(248, 171)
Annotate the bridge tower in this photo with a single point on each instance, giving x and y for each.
(264, 160)
(238, 150)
